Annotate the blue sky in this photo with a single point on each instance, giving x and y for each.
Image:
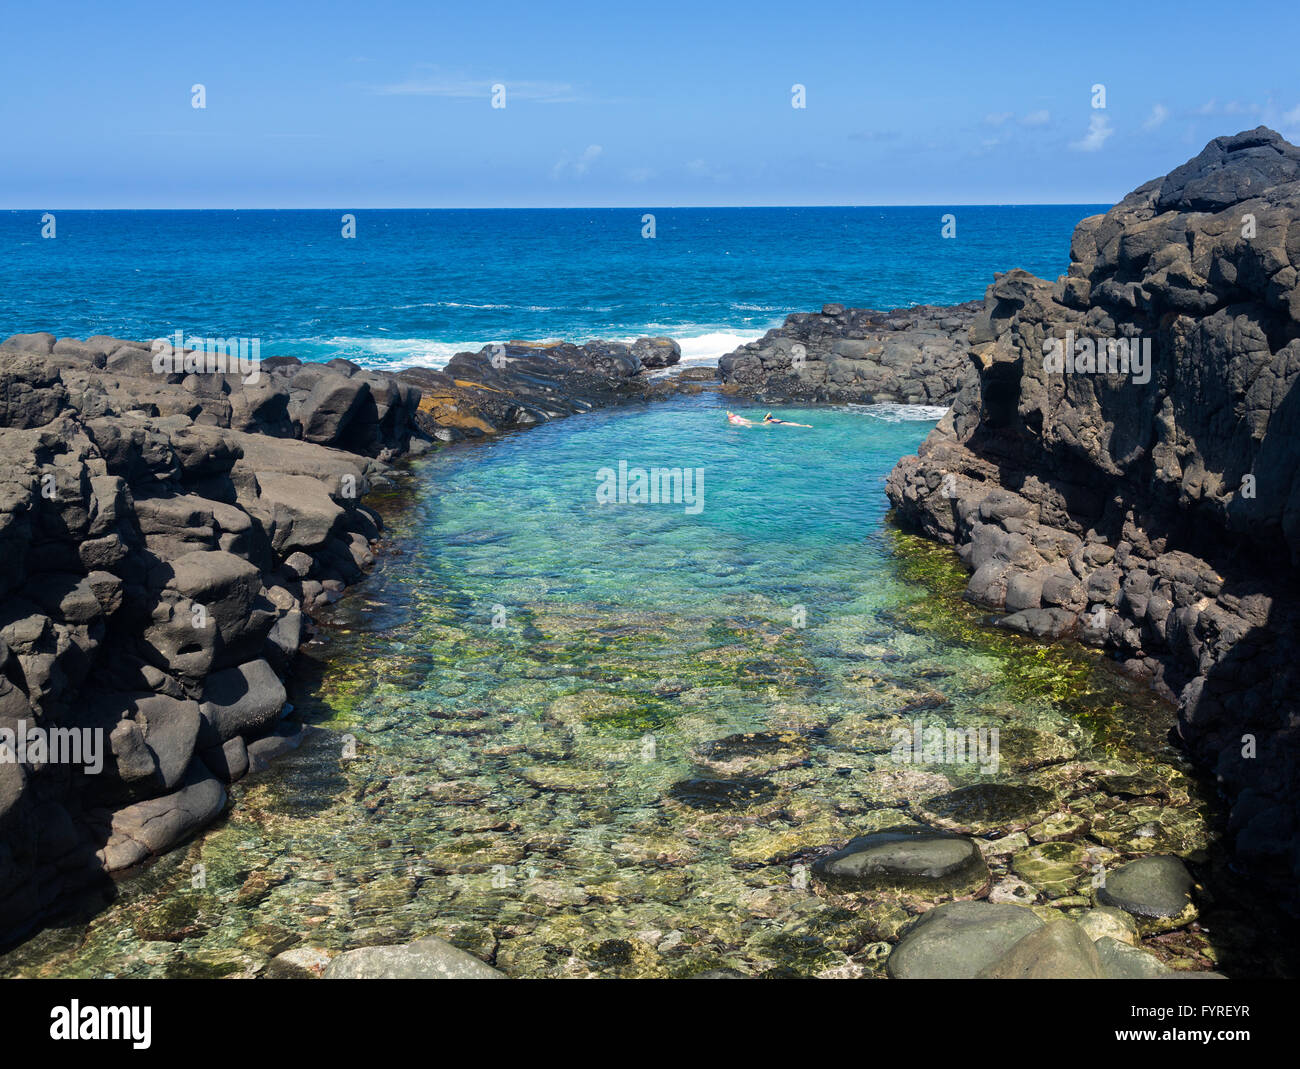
(388, 104)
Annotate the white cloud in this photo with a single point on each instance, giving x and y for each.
(1292, 117)
(1159, 113)
(997, 118)
(567, 167)
(1232, 107)
(1099, 131)
(704, 169)
(1037, 118)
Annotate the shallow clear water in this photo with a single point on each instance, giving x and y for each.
(551, 793)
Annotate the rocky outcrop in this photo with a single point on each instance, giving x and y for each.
(519, 384)
(845, 355)
(1120, 464)
(168, 534)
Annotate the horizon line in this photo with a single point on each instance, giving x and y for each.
(581, 207)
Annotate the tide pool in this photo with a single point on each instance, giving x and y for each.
(611, 739)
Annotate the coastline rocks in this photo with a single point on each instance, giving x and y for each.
(1151, 509)
(429, 958)
(155, 825)
(656, 353)
(519, 384)
(908, 356)
(242, 701)
(167, 536)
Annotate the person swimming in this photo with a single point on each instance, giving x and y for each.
(769, 418)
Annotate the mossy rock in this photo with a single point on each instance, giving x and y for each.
(869, 732)
(1153, 828)
(798, 954)
(623, 958)
(214, 964)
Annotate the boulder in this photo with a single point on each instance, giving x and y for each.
(1155, 890)
(959, 940)
(1059, 950)
(152, 826)
(241, 701)
(907, 859)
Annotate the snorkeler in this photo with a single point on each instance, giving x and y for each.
(769, 418)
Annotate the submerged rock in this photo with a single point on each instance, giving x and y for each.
(907, 859)
(429, 958)
(713, 794)
(1057, 951)
(959, 940)
(1106, 922)
(751, 753)
(987, 808)
(1120, 961)
(1155, 890)
(1055, 868)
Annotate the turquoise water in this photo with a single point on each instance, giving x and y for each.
(418, 286)
(584, 739)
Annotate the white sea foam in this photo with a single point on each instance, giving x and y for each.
(891, 412)
(706, 348)
(389, 353)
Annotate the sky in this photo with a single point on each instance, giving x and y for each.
(390, 103)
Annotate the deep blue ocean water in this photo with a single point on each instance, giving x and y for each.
(416, 286)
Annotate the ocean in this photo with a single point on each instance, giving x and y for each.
(413, 287)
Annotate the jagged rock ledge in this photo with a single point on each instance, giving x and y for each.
(1156, 513)
(167, 538)
(856, 355)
